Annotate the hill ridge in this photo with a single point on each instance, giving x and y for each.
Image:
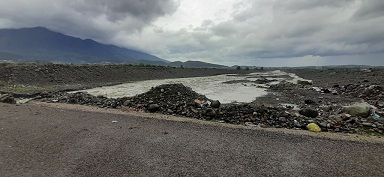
(40, 43)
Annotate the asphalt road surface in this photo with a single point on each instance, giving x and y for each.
(40, 140)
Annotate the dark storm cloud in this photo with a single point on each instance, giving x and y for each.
(115, 10)
(255, 30)
(277, 30)
(370, 9)
(297, 5)
(96, 19)
(299, 28)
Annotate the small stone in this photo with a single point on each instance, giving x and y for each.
(282, 119)
(194, 110)
(368, 124)
(296, 123)
(262, 126)
(339, 119)
(210, 112)
(54, 101)
(127, 102)
(44, 94)
(153, 107)
(311, 121)
(250, 124)
(169, 111)
(323, 124)
(308, 101)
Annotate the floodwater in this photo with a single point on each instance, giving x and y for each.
(214, 87)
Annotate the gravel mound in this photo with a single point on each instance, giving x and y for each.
(177, 99)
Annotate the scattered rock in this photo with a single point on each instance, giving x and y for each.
(169, 111)
(282, 119)
(309, 112)
(358, 109)
(210, 112)
(153, 107)
(297, 124)
(44, 94)
(127, 102)
(313, 127)
(317, 89)
(215, 104)
(304, 82)
(176, 99)
(309, 101)
(250, 124)
(369, 124)
(7, 98)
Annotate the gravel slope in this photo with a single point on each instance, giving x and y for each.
(52, 77)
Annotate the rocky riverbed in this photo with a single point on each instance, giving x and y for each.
(176, 99)
(335, 101)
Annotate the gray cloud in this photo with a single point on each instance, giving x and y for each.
(370, 9)
(292, 29)
(259, 31)
(96, 19)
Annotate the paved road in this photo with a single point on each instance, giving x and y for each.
(37, 140)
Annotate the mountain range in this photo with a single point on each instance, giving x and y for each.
(43, 45)
(39, 43)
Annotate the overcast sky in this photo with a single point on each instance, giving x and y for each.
(229, 32)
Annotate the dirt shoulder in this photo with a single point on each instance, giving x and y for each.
(130, 112)
(55, 140)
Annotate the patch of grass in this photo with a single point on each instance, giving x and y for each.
(23, 88)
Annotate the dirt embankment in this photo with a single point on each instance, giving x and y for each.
(330, 78)
(59, 77)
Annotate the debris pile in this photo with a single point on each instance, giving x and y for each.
(177, 99)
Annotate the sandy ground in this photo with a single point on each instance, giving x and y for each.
(40, 139)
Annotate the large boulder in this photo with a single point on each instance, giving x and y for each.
(153, 107)
(215, 104)
(309, 112)
(210, 112)
(358, 109)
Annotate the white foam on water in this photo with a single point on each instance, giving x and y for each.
(212, 86)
